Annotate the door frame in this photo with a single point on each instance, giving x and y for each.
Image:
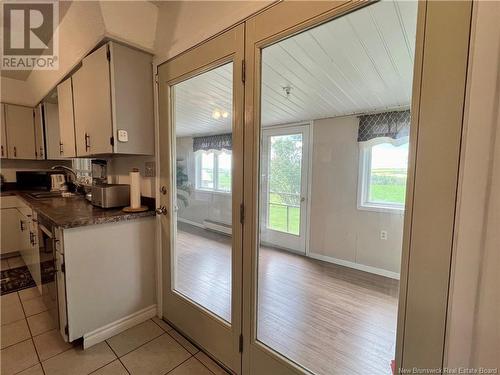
(226, 47)
(432, 178)
(306, 176)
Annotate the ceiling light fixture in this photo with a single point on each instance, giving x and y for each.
(225, 114)
(216, 114)
(287, 90)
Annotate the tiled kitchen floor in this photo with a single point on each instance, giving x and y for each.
(30, 345)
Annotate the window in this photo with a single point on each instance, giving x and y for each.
(213, 171)
(383, 171)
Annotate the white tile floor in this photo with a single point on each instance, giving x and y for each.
(30, 345)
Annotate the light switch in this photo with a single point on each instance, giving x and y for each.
(122, 135)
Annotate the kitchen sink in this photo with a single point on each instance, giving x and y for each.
(51, 194)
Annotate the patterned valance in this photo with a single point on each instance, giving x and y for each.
(213, 142)
(394, 125)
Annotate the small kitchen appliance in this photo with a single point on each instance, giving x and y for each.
(110, 195)
(58, 182)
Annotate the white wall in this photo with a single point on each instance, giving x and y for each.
(339, 230)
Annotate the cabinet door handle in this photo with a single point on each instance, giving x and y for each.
(87, 142)
(61, 148)
(15, 151)
(2, 150)
(21, 224)
(41, 152)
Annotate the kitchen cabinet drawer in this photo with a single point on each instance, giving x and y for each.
(9, 201)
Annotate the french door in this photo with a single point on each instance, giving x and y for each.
(210, 122)
(201, 94)
(284, 179)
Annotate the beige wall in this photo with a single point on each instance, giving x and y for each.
(339, 230)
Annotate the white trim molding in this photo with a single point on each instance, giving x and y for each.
(357, 266)
(118, 326)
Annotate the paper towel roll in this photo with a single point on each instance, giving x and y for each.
(135, 188)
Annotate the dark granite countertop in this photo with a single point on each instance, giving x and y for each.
(75, 211)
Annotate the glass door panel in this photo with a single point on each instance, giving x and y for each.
(338, 183)
(201, 154)
(202, 116)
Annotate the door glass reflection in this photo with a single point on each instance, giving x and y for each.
(202, 117)
(335, 121)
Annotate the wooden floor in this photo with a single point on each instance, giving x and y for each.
(327, 318)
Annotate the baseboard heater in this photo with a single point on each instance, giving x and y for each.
(217, 227)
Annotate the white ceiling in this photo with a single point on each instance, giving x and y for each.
(359, 63)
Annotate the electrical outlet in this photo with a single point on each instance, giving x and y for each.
(150, 169)
(383, 234)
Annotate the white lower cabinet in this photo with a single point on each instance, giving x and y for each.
(11, 232)
(106, 278)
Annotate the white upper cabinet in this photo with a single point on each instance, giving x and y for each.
(113, 102)
(3, 134)
(20, 131)
(66, 119)
(39, 135)
(92, 104)
(52, 131)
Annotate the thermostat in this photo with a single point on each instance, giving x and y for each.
(122, 135)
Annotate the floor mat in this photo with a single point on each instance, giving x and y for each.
(19, 278)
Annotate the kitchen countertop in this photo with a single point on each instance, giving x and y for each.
(76, 211)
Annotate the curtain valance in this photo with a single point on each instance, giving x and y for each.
(213, 142)
(394, 125)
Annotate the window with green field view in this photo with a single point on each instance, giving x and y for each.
(213, 171)
(385, 167)
(285, 163)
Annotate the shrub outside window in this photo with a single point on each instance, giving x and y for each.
(383, 173)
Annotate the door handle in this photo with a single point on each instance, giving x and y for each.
(162, 210)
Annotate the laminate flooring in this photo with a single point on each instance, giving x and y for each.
(327, 318)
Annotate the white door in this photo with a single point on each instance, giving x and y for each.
(285, 166)
(201, 118)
